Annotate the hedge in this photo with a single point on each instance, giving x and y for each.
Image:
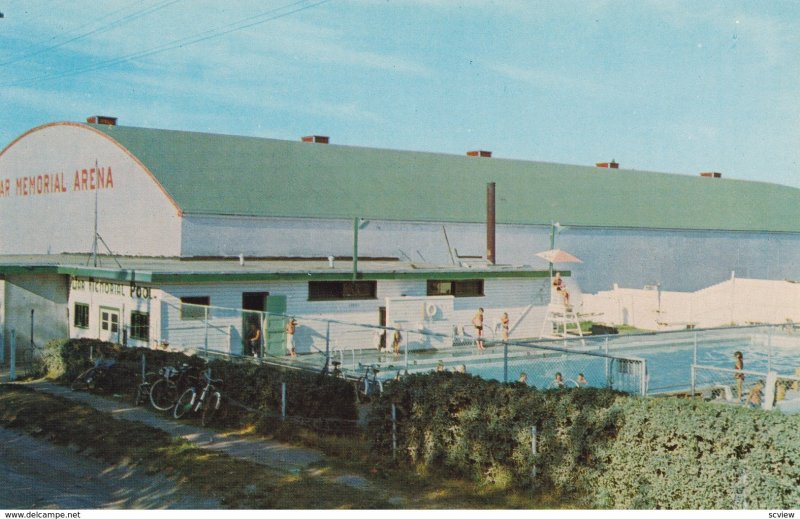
(597, 447)
(255, 386)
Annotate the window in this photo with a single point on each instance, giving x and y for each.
(140, 326)
(461, 288)
(332, 290)
(81, 315)
(194, 308)
(109, 320)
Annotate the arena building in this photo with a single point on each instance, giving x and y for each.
(99, 221)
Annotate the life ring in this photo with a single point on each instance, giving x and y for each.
(430, 309)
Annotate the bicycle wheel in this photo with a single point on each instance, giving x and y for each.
(163, 394)
(211, 406)
(184, 403)
(82, 381)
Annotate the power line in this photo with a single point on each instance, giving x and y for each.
(105, 28)
(245, 23)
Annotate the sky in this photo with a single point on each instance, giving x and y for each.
(669, 86)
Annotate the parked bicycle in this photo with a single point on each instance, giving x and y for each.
(368, 384)
(141, 395)
(165, 391)
(206, 400)
(98, 377)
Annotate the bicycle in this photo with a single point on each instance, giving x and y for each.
(96, 377)
(367, 385)
(141, 394)
(165, 391)
(208, 400)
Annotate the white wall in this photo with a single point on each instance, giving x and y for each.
(737, 301)
(525, 301)
(46, 296)
(135, 216)
(115, 297)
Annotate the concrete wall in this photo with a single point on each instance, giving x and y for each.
(47, 201)
(46, 296)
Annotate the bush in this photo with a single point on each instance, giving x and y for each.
(684, 454)
(482, 429)
(596, 447)
(253, 389)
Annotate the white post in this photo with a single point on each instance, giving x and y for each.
(769, 349)
(283, 400)
(12, 357)
(534, 445)
(694, 367)
(733, 294)
(644, 377)
(608, 367)
(205, 339)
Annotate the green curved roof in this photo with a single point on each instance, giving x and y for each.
(233, 175)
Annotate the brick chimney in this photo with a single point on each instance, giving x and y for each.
(479, 153)
(711, 174)
(318, 139)
(611, 165)
(102, 119)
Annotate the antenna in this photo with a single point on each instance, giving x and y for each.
(97, 236)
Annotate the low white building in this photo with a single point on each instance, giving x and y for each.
(197, 304)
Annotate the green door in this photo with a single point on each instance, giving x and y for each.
(276, 323)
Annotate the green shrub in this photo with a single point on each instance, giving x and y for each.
(597, 448)
(684, 454)
(482, 429)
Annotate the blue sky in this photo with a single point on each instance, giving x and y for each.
(672, 86)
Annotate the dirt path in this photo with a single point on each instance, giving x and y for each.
(35, 474)
(273, 454)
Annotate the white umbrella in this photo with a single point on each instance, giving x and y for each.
(558, 256)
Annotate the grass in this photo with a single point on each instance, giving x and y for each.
(586, 328)
(236, 483)
(241, 484)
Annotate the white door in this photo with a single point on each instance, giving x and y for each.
(109, 324)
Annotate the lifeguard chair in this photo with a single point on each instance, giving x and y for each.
(561, 319)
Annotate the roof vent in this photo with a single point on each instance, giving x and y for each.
(318, 139)
(711, 174)
(102, 119)
(612, 165)
(479, 153)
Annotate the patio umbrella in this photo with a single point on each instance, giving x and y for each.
(558, 256)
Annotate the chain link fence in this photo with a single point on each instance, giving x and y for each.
(649, 363)
(357, 350)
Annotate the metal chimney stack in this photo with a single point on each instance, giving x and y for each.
(490, 223)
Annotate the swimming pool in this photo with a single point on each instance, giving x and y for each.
(668, 358)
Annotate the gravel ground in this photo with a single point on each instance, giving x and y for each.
(35, 474)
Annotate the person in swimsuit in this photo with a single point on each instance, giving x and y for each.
(477, 321)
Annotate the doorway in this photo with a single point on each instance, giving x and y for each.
(109, 324)
(253, 306)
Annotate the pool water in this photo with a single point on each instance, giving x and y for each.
(668, 364)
